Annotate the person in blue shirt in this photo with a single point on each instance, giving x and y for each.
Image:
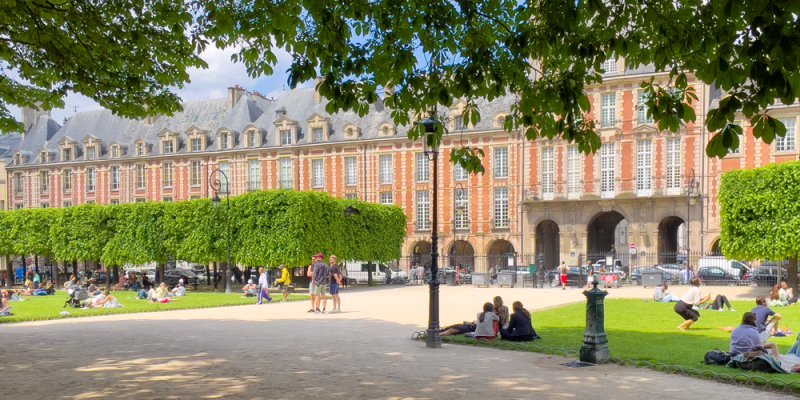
(766, 319)
(746, 338)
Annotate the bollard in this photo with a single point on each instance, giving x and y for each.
(595, 343)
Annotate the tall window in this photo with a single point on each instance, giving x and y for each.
(197, 144)
(44, 181)
(501, 207)
(286, 174)
(741, 143)
(548, 173)
(610, 66)
(224, 181)
(195, 173)
(386, 198)
(608, 110)
(641, 109)
(608, 163)
(574, 172)
(253, 175)
(223, 140)
(318, 173)
(66, 204)
(423, 171)
(140, 149)
(673, 165)
(387, 172)
(460, 173)
(66, 182)
(251, 139)
(115, 152)
(644, 168)
(500, 162)
(461, 217)
(17, 183)
(286, 137)
(350, 171)
(91, 152)
(317, 134)
(166, 174)
(141, 176)
(787, 142)
(114, 182)
(460, 124)
(423, 210)
(168, 146)
(66, 154)
(91, 179)
(44, 205)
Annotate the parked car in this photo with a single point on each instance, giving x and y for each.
(716, 275)
(765, 275)
(637, 275)
(575, 277)
(171, 277)
(673, 272)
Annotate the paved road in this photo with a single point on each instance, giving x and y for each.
(281, 352)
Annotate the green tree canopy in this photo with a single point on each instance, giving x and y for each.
(760, 214)
(194, 231)
(138, 234)
(30, 231)
(80, 233)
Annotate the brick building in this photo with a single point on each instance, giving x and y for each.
(539, 200)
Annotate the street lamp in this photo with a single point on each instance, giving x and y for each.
(692, 187)
(431, 147)
(215, 185)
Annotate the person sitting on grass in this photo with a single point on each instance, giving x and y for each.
(179, 290)
(5, 304)
(501, 311)
(746, 338)
(487, 326)
(766, 319)
(775, 298)
(250, 289)
(110, 301)
(687, 306)
(520, 327)
(663, 295)
(122, 284)
(93, 289)
(785, 293)
(47, 290)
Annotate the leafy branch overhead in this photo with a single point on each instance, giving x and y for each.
(418, 56)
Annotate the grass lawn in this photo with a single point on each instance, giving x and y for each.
(647, 332)
(37, 308)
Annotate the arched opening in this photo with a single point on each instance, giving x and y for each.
(501, 254)
(421, 254)
(462, 252)
(716, 248)
(548, 251)
(670, 244)
(607, 236)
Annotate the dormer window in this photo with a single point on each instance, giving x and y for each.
(197, 144)
(66, 154)
(317, 134)
(168, 146)
(460, 123)
(141, 149)
(318, 126)
(43, 158)
(610, 66)
(116, 151)
(252, 138)
(91, 152)
(286, 136)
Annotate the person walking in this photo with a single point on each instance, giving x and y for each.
(563, 275)
(336, 282)
(263, 282)
(284, 282)
(310, 275)
(321, 278)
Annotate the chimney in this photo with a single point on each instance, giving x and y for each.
(31, 115)
(234, 94)
(317, 82)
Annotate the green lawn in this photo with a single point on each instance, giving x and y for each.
(646, 332)
(37, 308)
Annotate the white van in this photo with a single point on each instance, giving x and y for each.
(356, 272)
(732, 266)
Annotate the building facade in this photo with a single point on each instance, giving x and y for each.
(540, 201)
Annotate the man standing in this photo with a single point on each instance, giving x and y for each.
(321, 279)
(310, 275)
(336, 282)
(263, 282)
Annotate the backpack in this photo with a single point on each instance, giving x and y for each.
(717, 357)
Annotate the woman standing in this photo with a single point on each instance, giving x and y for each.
(687, 305)
(563, 272)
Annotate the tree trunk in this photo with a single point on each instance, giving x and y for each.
(9, 271)
(116, 274)
(791, 280)
(108, 278)
(36, 264)
(223, 275)
(216, 275)
(208, 276)
(160, 273)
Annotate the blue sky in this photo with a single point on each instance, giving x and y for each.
(212, 82)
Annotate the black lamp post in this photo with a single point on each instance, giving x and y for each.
(692, 187)
(433, 340)
(216, 184)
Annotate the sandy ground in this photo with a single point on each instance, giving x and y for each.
(278, 351)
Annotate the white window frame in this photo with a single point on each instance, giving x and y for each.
(91, 179)
(253, 175)
(318, 173)
(574, 173)
(317, 134)
(610, 66)
(423, 210)
(286, 173)
(500, 162)
(608, 170)
(386, 162)
(141, 149)
(386, 198)
(351, 171)
(673, 166)
(788, 142)
(113, 182)
(141, 176)
(460, 173)
(18, 183)
(66, 181)
(168, 146)
(500, 218)
(197, 144)
(461, 208)
(44, 181)
(641, 109)
(223, 140)
(91, 152)
(285, 136)
(166, 174)
(224, 182)
(644, 167)
(195, 173)
(548, 173)
(608, 107)
(251, 138)
(422, 172)
(66, 154)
